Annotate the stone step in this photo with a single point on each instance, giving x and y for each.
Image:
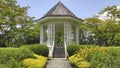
(59, 52)
(59, 56)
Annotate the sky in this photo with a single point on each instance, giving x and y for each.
(81, 8)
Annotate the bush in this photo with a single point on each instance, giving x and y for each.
(38, 49)
(78, 62)
(12, 57)
(72, 48)
(37, 62)
(96, 57)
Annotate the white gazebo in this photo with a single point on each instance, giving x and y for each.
(59, 27)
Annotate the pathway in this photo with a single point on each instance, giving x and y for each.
(58, 63)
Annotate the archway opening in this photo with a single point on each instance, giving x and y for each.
(59, 35)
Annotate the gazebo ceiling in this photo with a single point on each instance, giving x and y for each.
(59, 10)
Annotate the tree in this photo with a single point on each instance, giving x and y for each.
(14, 22)
(33, 35)
(113, 11)
(106, 26)
(104, 31)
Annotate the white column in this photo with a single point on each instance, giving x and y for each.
(41, 34)
(48, 34)
(67, 36)
(51, 33)
(77, 34)
(51, 37)
(67, 33)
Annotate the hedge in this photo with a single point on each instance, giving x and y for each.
(12, 57)
(73, 48)
(39, 49)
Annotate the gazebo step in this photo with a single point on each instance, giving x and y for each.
(59, 52)
(59, 56)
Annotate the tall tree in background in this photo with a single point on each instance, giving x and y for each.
(14, 23)
(85, 34)
(105, 26)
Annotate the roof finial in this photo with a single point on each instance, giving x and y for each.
(59, 1)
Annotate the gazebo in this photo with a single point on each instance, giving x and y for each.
(59, 27)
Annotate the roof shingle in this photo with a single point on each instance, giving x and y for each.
(59, 10)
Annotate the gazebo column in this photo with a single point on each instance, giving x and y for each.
(67, 36)
(51, 38)
(77, 34)
(51, 34)
(67, 33)
(41, 34)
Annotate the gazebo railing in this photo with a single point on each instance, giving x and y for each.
(53, 44)
(66, 54)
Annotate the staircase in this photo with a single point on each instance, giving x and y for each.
(59, 52)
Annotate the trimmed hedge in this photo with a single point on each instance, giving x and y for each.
(39, 49)
(96, 57)
(73, 48)
(12, 57)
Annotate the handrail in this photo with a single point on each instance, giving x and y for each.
(66, 54)
(52, 49)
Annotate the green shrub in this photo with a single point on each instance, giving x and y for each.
(12, 57)
(97, 57)
(72, 48)
(38, 49)
(114, 56)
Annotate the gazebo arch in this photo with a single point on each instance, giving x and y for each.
(59, 27)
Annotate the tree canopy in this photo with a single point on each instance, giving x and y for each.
(105, 26)
(14, 23)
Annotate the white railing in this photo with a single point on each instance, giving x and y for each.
(53, 44)
(66, 54)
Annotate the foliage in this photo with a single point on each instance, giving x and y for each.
(38, 49)
(102, 29)
(112, 11)
(12, 57)
(33, 35)
(37, 62)
(85, 34)
(72, 48)
(78, 62)
(105, 31)
(14, 23)
(96, 57)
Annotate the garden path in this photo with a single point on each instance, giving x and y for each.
(58, 63)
